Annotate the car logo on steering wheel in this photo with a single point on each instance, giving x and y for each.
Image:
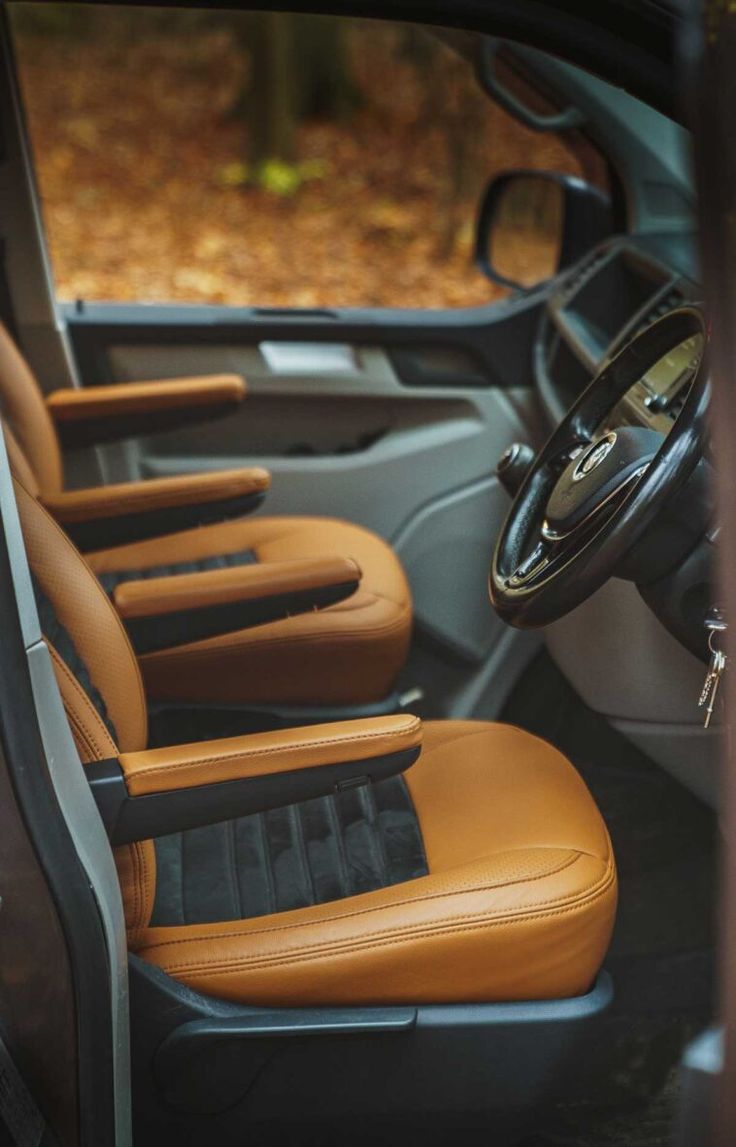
(593, 456)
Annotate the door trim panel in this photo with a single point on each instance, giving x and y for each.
(478, 332)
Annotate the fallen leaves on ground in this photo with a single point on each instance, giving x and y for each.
(143, 176)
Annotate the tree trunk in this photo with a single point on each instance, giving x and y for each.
(298, 70)
(324, 87)
(270, 103)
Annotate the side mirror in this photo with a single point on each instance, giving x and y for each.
(533, 224)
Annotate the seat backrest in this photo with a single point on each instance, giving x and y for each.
(95, 664)
(24, 410)
(19, 464)
(97, 673)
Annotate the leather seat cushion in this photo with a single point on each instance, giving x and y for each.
(518, 902)
(347, 654)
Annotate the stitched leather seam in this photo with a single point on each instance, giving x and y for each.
(83, 731)
(201, 597)
(377, 594)
(79, 734)
(297, 526)
(140, 898)
(78, 728)
(67, 546)
(390, 627)
(230, 934)
(76, 410)
(143, 887)
(169, 396)
(427, 752)
(360, 600)
(193, 651)
(132, 912)
(137, 560)
(255, 754)
(459, 925)
(498, 728)
(120, 504)
(137, 890)
(80, 724)
(145, 914)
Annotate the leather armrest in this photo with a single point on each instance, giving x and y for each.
(84, 416)
(163, 612)
(158, 791)
(102, 516)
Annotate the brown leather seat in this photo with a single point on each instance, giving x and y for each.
(346, 654)
(485, 872)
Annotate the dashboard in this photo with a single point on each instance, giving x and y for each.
(617, 290)
(655, 630)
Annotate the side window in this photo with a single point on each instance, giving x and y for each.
(263, 158)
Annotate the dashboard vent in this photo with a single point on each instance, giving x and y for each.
(669, 302)
(582, 273)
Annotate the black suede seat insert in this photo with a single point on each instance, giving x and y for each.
(198, 565)
(324, 849)
(59, 637)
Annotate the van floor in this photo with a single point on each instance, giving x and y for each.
(662, 954)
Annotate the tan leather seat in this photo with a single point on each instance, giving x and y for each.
(346, 654)
(350, 653)
(517, 902)
(484, 873)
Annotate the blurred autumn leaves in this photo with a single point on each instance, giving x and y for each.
(259, 158)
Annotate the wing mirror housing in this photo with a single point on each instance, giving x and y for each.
(534, 224)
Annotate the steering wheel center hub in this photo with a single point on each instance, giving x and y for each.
(595, 478)
(593, 456)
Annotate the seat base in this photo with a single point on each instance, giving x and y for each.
(216, 1072)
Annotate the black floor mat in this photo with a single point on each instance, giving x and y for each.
(661, 957)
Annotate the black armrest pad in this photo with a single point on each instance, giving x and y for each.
(102, 533)
(104, 516)
(129, 818)
(161, 613)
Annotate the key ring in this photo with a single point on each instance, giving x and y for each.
(711, 635)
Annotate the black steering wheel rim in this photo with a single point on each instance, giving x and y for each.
(563, 583)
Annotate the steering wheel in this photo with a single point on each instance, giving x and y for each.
(594, 490)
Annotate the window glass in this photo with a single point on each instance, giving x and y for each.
(262, 159)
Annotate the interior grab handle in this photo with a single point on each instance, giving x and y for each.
(566, 119)
(309, 358)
